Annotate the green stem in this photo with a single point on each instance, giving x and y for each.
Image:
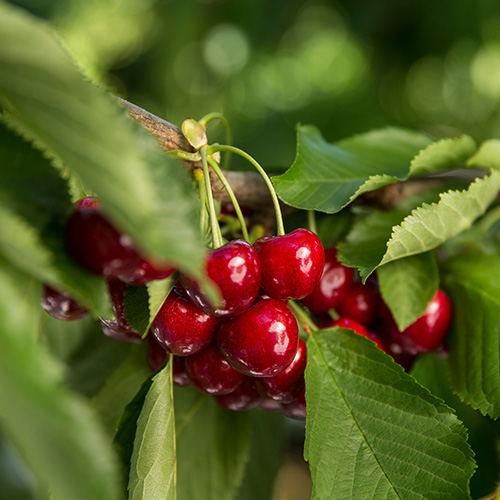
(184, 155)
(280, 228)
(232, 196)
(306, 322)
(311, 221)
(216, 234)
(200, 180)
(227, 128)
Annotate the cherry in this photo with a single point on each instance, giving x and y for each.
(361, 303)
(235, 269)
(244, 397)
(96, 245)
(115, 331)
(291, 264)
(179, 371)
(333, 285)
(60, 305)
(146, 271)
(284, 386)
(211, 373)
(181, 327)
(157, 355)
(296, 409)
(428, 331)
(262, 341)
(360, 330)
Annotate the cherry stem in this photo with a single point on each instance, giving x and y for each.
(280, 228)
(200, 181)
(227, 128)
(304, 319)
(232, 196)
(216, 234)
(311, 221)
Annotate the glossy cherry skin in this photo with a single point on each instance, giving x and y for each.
(428, 331)
(98, 246)
(244, 397)
(296, 409)
(182, 328)
(157, 355)
(115, 331)
(211, 373)
(60, 305)
(235, 269)
(360, 330)
(291, 264)
(262, 341)
(146, 271)
(284, 386)
(332, 287)
(180, 376)
(361, 303)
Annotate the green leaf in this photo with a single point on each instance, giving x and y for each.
(327, 177)
(34, 206)
(408, 285)
(121, 387)
(153, 463)
(488, 155)
(55, 432)
(221, 440)
(267, 440)
(426, 228)
(144, 192)
(473, 283)
(388, 437)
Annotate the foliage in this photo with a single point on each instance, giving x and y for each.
(86, 417)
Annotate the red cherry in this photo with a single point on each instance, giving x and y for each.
(359, 329)
(179, 371)
(146, 271)
(211, 373)
(60, 305)
(291, 264)
(182, 328)
(235, 269)
(268, 405)
(284, 386)
(115, 331)
(333, 285)
(244, 397)
(361, 303)
(157, 355)
(262, 341)
(428, 331)
(96, 245)
(296, 409)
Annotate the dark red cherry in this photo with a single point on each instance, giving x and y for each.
(427, 332)
(262, 341)
(211, 373)
(361, 303)
(332, 288)
(360, 330)
(60, 305)
(96, 245)
(235, 269)
(116, 290)
(182, 328)
(296, 409)
(268, 404)
(145, 272)
(115, 331)
(291, 264)
(244, 397)
(157, 355)
(179, 371)
(284, 386)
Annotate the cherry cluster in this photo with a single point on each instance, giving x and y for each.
(244, 350)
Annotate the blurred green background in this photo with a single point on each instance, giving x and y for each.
(345, 66)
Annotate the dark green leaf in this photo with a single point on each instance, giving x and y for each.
(136, 307)
(388, 437)
(473, 283)
(144, 192)
(426, 228)
(221, 441)
(327, 177)
(56, 433)
(153, 462)
(408, 285)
